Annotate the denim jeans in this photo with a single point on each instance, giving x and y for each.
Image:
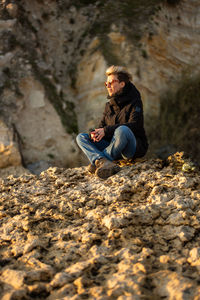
(122, 145)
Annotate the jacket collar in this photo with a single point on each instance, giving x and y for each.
(124, 96)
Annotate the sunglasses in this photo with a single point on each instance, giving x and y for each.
(107, 83)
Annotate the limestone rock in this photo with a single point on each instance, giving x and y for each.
(170, 285)
(13, 277)
(9, 152)
(67, 234)
(12, 9)
(15, 171)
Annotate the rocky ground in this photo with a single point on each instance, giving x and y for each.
(66, 234)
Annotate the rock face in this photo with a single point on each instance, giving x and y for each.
(9, 152)
(53, 57)
(10, 156)
(166, 53)
(68, 235)
(32, 96)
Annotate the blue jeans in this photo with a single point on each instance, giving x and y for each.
(122, 145)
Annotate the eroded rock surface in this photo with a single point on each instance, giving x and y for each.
(66, 234)
(9, 150)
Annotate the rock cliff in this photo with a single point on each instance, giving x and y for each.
(53, 57)
(68, 235)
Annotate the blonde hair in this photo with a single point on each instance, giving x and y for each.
(117, 70)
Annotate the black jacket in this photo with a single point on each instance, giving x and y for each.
(126, 109)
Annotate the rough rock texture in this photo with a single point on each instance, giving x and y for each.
(14, 171)
(68, 235)
(9, 151)
(32, 50)
(53, 56)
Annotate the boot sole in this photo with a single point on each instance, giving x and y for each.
(104, 173)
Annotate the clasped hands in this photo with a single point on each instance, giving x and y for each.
(97, 134)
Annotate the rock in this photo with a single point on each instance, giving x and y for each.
(38, 167)
(12, 9)
(169, 284)
(7, 25)
(15, 171)
(60, 279)
(65, 234)
(114, 221)
(13, 277)
(194, 258)
(194, 254)
(33, 243)
(49, 146)
(66, 292)
(15, 294)
(9, 152)
(38, 290)
(186, 233)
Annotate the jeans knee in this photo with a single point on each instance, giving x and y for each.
(121, 130)
(80, 137)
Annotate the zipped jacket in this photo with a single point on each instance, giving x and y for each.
(126, 109)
